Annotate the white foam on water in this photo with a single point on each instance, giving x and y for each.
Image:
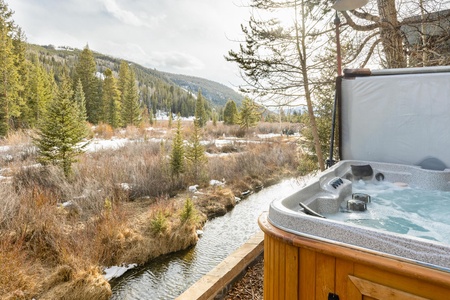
(401, 209)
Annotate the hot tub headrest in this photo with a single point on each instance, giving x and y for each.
(432, 163)
(362, 170)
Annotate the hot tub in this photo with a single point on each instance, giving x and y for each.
(308, 256)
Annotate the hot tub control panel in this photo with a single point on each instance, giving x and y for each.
(335, 183)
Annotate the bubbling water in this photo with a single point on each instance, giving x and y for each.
(401, 209)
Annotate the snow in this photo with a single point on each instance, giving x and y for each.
(193, 188)
(116, 271)
(5, 148)
(268, 135)
(96, 144)
(214, 182)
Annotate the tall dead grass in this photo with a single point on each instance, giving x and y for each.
(20, 274)
(259, 161)
(55, 230)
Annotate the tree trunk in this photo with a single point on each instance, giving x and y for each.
(302, 54)
(390, 34)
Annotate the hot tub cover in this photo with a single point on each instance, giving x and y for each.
(397, 116)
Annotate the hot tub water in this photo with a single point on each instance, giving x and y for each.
(401, 209)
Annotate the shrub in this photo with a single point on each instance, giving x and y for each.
(188, 213)
(159, 223)
(104, 131)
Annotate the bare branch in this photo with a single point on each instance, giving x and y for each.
(355, 26)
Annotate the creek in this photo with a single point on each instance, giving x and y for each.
(169, 276)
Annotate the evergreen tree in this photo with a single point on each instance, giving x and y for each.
(248, 115)
(131, 110)
(111, 100)
(22, 65)
(230, 113)
(170, 120)
(195, 153)
(150, 117)
(124, 70)
(214, 118)
(61, 131)
(85, 70)
(80, 100)
(9, 77)
(200, 112)
(177, 154)
(38, 92)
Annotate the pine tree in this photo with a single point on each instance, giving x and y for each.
(230, 113)
(150, 117)
(38, 92)
(22, 65)
(61, 131)
(195, 153)
(214, 118)
(80, 100)
(177, 154)
(111, 100)
(85, 70)
(9, 77)
(124, 70)
(200, 112)
(170, 120)
(131, 110)
(248, 115)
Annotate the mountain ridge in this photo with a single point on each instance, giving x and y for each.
(216, 93)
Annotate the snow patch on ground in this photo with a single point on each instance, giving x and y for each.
(116, 271)
(5, 148)
(96, 145)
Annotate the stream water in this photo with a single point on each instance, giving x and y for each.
(169, 276)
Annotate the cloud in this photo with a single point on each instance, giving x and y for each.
(168, 35)
(127, 16)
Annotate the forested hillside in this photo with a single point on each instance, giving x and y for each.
(106, 90)
(215, 92)
(164, 84)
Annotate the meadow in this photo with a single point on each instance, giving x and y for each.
(121, 205)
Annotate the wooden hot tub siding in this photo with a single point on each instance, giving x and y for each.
(297, 267)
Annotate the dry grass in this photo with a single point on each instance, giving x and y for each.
(258, 161)
(16, 138)
(19, 275)
(103, 131)
(118, 207)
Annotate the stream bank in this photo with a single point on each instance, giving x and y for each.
(168, 276)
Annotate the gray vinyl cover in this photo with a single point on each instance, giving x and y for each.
(397, 118)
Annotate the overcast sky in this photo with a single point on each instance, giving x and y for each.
(178, 36)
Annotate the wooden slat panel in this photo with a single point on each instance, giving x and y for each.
(343, 269)
(307, 262)
(273, 259)
(378, 291)
(292, 273)
(268, 272)
(281, 270)
(325, 272)
(412, 285)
